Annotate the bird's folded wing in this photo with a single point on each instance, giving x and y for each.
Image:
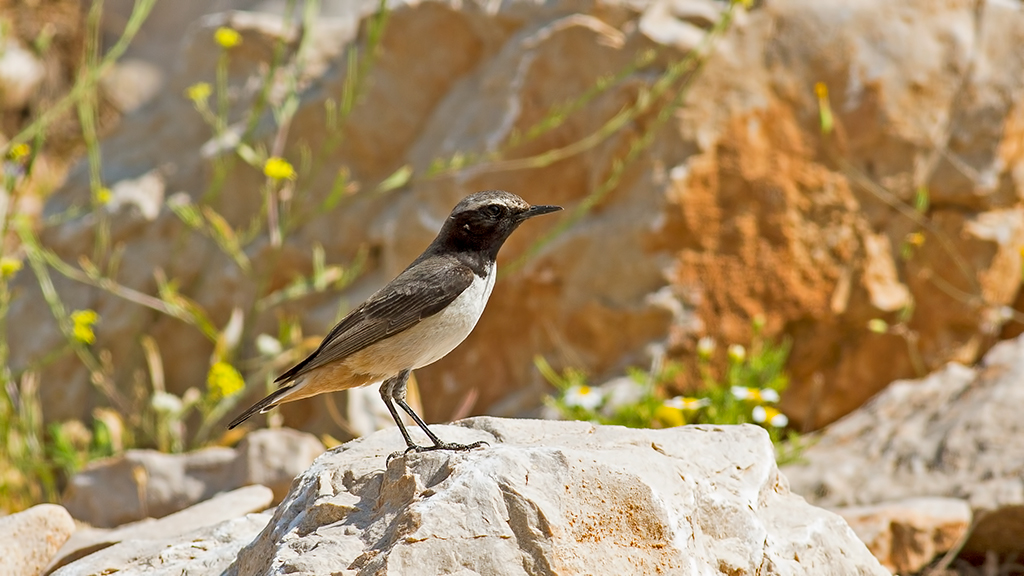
(417, 293)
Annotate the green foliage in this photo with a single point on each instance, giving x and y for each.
(27, 476)
(36, 458)
(746, 391)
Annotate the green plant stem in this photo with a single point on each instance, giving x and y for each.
(357, 73)
(85, 82)
(45, 257)
(98, 376)
(87, 116)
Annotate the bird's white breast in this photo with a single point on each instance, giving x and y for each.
(433, 337)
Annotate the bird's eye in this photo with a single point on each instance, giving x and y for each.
(493, 210)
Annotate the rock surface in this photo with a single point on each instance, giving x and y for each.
(21, 74)
(273, 458)
(741, 206)
(554, 498)
(957, 433)
(146, 483)
(204, 552)
(220, 508)
(906, 535)
(29, 539)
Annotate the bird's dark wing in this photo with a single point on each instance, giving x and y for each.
(418, 292)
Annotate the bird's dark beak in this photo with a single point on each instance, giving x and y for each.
(538, 210)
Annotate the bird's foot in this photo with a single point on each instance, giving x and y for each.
(447, 446)
(439, 446)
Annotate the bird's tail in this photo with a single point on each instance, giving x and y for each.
(265, 405)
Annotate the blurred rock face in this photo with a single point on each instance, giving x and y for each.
(954, 434)
(741, 206)
(149, 484)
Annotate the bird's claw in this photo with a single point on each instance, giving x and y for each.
(447, 446)
(439, 446)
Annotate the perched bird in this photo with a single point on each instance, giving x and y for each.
(417, 318)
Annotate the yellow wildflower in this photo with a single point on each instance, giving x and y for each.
(915, 239)
(104, 195)
(9, 266)
(669, 417)
(224, 381)
(199, 92)
(227, 37)
(81, 325)
(279, 169)
(19, 151)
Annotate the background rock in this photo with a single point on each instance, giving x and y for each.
(147, 483)
(21, 74)
(957, 433)
(30, 538)
(204, 552)
(273, 458)
(221, 508)
(554, 497)
(740, 207)
(906, 535)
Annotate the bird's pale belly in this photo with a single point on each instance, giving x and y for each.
(429, 340)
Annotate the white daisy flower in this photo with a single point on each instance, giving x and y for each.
(755, 394)
(773, 417)
(706, 347)
(687, 403)
(583, 397)
(268, 345)
(166, 403)
(737, 353)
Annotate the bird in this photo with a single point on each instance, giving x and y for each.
(414, 320)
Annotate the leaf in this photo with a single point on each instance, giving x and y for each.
(250, 156)
(921, 199)
(183, 307)
(339, 189)
(398, 179)
(548, 372)
(319, 267)
(186, 211)
(224, 235)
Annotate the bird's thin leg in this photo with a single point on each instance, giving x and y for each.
(386, 390)
(398, 395)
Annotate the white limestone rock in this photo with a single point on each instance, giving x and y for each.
(30, 538)
(554, 498)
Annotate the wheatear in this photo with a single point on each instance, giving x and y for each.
(417, 318)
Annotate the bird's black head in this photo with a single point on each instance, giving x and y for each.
(483, 221)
